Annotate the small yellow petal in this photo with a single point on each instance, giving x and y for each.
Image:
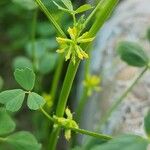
(73, 59)
(61, 40)
(60, 51)
(68, 113)
(84, 35)
(85, 40)
(79, 52)
(72, 32)
(84, 54)
(68, 54)
(67, 134)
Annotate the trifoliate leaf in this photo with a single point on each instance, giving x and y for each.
(84, 8)
(27, 4)
(125, 142)
(133, 54)
(68, 4)
(22, 62)
(7, 125)
(25, 78)
(47, 63)
(35, 101)
(62, 8)
(23, 141)
(12, 99)
(147, 124)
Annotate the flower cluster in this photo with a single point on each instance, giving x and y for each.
(48, 99)
(71, 46)
(66, 122)
(92, 84)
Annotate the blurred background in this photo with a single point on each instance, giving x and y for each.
(23, 27)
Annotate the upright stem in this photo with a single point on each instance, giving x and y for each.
(50, 17)
(33, 34)
(105, 10)
(121, 98)
(70, 75)
(84, 96)
(81, 105)
(93, 13)
(56, 78)
(72, 69)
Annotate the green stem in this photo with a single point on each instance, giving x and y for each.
(50, 17)
(121, 98)
(93, 13)
(46, 114)
(56, 78)
(70, 75)
(2, 139)
(106, 8)
(34, 22)
(78, 130)
(74, 19)
(72, 69)
(93, 134)
(81, 105)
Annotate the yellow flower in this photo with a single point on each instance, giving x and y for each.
(92, 84)
(48, 100)
(66, 122)
(71, 46)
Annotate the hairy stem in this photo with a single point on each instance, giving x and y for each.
(121, 98)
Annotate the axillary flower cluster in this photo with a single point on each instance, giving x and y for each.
(92, 84)
(66, 122)
(71, 46)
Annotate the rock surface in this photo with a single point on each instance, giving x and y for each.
(129, 22)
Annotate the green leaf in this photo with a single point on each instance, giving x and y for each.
(27, 4)
(47, 63)
(148, 34)
(22, 62)
(7, 125)
(12, 99)
(23, 141)
(84, 8)
(68, 4)
(125, 142)
(132, 54)
(62, 8)
(147, 124)
(35, 101)
(25, 78)
(41, 47)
